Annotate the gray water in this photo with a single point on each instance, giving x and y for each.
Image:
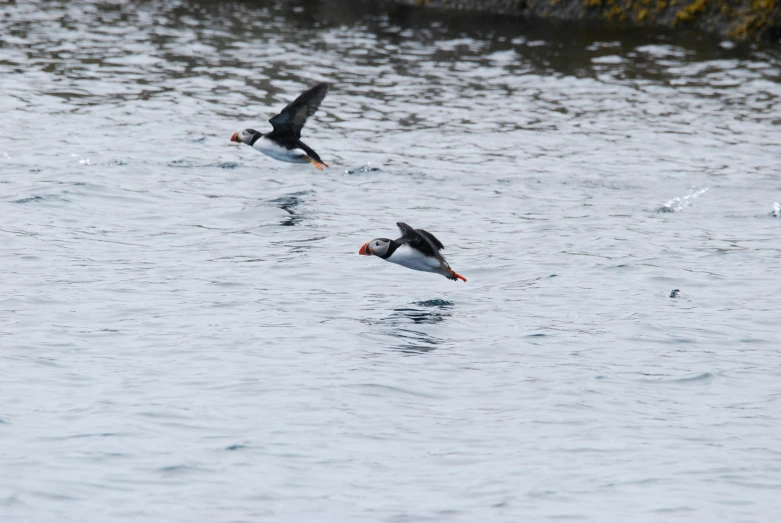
(189, 334)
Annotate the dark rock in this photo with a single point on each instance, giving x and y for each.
(735, 19)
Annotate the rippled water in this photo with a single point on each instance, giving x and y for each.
(188, 332)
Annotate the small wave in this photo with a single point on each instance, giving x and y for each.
(379, 389)
(416, 341)
(704, 376)
(776, 210)
(613, 186)
(219, 165)
(680, 203)
(363, 169)
(179, 469)
(30, 199)
(82, 159)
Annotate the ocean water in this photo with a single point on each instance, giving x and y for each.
(188, 333)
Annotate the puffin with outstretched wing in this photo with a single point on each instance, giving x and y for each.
(416, 249)
(284, 142)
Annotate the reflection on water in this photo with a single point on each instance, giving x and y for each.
(290, 203)
(416, 340)
(426, 312)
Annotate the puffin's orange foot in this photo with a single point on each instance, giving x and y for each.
(456, 275)
(315, 163)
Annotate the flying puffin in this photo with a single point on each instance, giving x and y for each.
(284, 142)
(416, 249)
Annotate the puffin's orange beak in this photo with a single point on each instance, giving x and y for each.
(233, 137)
(364, 250)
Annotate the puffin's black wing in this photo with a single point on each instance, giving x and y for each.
(421, 240)
(289, 122)
(430, 237)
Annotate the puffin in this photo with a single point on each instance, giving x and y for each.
(284, 142)
(416, 249)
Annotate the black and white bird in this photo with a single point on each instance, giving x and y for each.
(416, 249)
(284, 142)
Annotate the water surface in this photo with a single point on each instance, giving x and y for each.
(188, 332)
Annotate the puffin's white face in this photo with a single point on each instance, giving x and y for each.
(376, 247)
(244, 136)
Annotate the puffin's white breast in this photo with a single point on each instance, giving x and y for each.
(413, 259)
(276, 151)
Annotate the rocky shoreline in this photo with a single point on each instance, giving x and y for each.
(734, 19)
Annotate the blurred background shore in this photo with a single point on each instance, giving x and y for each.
(735, 19)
